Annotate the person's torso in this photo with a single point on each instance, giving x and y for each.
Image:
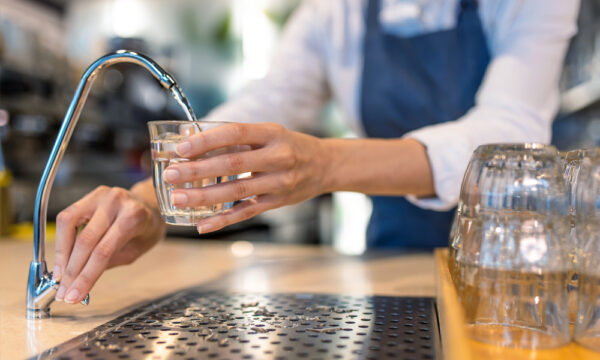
(409, 81)
(344, 31)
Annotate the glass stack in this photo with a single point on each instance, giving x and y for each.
(509, 258)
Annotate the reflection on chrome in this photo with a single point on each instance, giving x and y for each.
(164, 346)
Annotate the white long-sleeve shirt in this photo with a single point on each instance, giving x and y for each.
(320, 56)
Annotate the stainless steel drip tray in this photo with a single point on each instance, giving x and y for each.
(198, 324)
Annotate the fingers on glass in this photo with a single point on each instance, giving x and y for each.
(243, 211)
(227, 135)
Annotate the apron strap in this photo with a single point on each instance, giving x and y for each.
(373, 9)
(468, 4)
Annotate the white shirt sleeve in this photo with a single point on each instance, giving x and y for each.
(295, 90)
(517, 100)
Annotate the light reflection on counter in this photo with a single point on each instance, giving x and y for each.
(241, 249)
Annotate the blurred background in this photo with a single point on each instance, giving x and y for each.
(213, 48)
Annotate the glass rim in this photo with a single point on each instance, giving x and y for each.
(515, 146)
(579, 154)
(175, 122)
(535, 150)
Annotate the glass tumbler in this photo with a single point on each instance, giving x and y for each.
(587, 224)
(571, 166)
(164, 137)
(511, 265)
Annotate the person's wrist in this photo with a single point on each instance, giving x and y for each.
(328, 160)
(144, 192)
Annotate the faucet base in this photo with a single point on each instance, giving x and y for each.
(38, 313)
(40, 291)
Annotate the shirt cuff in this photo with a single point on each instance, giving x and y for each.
(449, 156)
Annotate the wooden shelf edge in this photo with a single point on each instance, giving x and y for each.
(455, 344)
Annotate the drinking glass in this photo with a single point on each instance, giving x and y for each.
(571, 166)
(510, 262)
(587, 224)
(164, 137)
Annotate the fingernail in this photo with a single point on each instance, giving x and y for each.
(178, 199)
(204, 228)
(72, 296)
(183, 148)
(60, 294)
(171, 175)
(56, 274)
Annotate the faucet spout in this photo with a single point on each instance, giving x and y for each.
(41, 288)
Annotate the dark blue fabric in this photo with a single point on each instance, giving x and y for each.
(409, 83)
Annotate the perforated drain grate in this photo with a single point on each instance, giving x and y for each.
(198, 325)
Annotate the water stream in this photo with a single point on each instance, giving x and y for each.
(177, 93)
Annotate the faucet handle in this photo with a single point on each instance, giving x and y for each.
(86, 300)
(56, 284)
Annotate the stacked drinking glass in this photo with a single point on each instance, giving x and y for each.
(509, 255)
(587, 250)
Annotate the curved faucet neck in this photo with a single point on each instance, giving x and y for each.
(68, 125)
(39, 277)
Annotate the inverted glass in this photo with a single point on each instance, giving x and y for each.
(164, 137)
(508, 256)
(571, 167)
(587, 225)
(519, 177)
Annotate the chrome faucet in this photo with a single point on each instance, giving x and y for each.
(41, 288)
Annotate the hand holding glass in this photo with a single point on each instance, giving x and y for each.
(164, 137)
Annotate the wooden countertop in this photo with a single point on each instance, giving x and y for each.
(176, 264)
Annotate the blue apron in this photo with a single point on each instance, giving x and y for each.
(409, 83)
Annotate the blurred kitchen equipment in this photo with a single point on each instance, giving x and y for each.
(41, 288)
(580, 80)
(510, 260)
(578, 120)
(164, 137)
(587, 223)
(5, 181)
